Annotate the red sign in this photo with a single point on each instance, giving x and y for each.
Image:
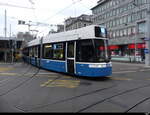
(114, 47)
(139, 46)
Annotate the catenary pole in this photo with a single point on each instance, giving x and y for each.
(147, 53)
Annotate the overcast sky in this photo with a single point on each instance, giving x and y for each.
(45, 11)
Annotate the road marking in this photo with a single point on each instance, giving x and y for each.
(2, 69)
(128, 68)
(61, 83)
(9, 74)
(120, 79)
(1, 81)
(124, 72)
(145, 70)
(142, 70)
(47, 73)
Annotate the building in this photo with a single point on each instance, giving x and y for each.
(77, 22)
(27, 36)
(125, 21)
(9, 47)
(60, 28)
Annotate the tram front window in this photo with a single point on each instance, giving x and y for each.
(91, 51)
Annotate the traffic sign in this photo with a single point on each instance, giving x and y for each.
(146, 39)
(146, 51)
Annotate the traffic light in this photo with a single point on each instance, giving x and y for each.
(20, 22)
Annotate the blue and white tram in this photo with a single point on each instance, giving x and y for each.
(81, 52)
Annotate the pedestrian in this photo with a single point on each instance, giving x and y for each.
(142, 56)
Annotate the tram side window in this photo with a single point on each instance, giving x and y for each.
(54, 51)
(48, 51)
(31, 52)
(36, 51)
(59, 51)
(39, 50)
(27, 51)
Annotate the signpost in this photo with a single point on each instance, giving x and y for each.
(146, 51)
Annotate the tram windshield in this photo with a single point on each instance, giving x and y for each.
(94, 51)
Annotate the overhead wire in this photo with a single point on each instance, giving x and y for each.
(51, 17)
(13, 5)
(73, 3)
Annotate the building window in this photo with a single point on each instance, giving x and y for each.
(129, 31)
(143, 14)
(133, 30)
(129, 18)
(141, 27)
(121, 33)
(114, 34)
(117, 33)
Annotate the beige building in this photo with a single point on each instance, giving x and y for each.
(77, 22)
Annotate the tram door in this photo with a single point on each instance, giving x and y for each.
(71, 57)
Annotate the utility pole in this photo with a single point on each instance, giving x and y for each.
(135, 43)
(11, 46)
(29, 26)
(5, 28)
(5, 32)
(147, 52)
(147, 34)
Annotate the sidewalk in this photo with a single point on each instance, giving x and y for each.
(129, 59)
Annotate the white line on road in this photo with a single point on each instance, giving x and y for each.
(118, 72)
(124, 72)
(1, 81)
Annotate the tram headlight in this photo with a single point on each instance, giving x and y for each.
(97, 66)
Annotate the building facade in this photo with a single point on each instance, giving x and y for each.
(60, 28)
(9, 49)
(125, 21)
(77, 22)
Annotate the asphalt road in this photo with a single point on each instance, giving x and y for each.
(24, 88)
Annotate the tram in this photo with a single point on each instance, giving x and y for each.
(81, 52)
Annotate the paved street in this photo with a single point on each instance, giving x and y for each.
(24, 88)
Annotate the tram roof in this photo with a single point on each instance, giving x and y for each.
(81, 33)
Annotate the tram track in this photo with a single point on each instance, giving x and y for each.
(119, 94)
(97, 91)
(20, 84)
(75, 97)
(19, 75)
(137, 104)
(82, 95)
(90, 93)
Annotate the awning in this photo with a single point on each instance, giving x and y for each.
(114, 47)
(139, 46)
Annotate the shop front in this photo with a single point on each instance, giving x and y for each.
(130, 52)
